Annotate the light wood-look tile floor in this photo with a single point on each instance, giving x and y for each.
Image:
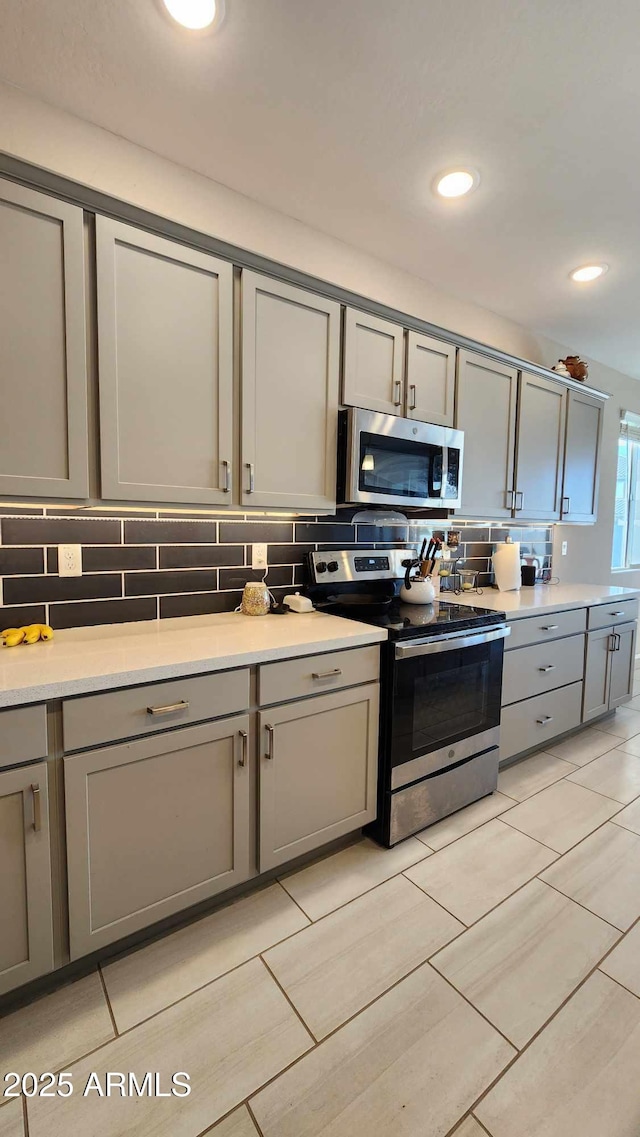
(482, 978)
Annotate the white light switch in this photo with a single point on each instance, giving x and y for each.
(563, 548)
(69, 560)
(258, 556)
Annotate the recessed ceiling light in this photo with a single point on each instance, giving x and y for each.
(196, 15)
(456, 183)
(588, 272)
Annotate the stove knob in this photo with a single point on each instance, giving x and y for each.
(321, 566)
(332, 566)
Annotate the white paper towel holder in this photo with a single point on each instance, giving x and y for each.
(506, 566)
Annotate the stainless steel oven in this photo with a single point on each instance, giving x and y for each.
(386, 460)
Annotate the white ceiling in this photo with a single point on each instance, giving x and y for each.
(340, 112)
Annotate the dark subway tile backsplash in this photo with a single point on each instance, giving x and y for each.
(186, 565)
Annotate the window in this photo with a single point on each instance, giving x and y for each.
(626, 525)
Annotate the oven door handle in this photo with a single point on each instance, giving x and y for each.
(450, 643)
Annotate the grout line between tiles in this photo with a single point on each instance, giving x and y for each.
(108, 1001)
(290, 1001)
(25, 1116)
(579, 842)
(254, 1118)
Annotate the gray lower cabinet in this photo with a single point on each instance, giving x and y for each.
(539, 448)
(165, 355)
(582, 457)
(318, 761)
(373, 363)
(290, 392)
(431, 379)
(486, 410)
(608, 680)
(43, 373)
(154, 826)
(26, 929)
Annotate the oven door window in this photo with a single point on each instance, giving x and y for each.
(400, 467)
(443, 697)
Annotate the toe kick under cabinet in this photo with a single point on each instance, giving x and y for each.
(164, 810)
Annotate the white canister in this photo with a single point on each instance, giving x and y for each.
(506, 566)
(256, 600)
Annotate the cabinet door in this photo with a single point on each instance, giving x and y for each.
(597, 674)
(290, 391)
(540, 448)
(26, 930)
(165, 335)
(622, 665)
(373, 363)
(318, 771)
(582, 458)
(486, 411)
(43, 375)
(431, 379)
(154, 826)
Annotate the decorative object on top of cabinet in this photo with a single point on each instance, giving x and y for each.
(26, 928)
(486, 411)
(165, 335)
(373, 363)
(561, 369)
(290, 393)
(431, 379)
(578, 368)
(539, 448)
(582, 457)
(43, 372)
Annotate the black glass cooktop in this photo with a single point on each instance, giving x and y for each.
(404, 621)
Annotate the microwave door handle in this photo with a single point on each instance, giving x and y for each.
(445, 471)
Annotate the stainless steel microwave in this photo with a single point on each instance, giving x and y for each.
(386, 460)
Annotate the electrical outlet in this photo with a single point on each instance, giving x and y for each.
(69, 560)
(563, 548)
(258, 556)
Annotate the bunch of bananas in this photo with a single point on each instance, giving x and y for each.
(28, 635)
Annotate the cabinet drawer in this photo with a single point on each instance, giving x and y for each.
(542, 667)
(612, 613)
(23, 735)
(95, 719)
(533, 722)
(315, 674)
(549, 626)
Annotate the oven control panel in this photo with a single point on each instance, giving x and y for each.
(340, 566)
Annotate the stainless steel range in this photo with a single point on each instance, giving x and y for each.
(441, 684)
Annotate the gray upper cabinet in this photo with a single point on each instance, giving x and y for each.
(373, 369)
(165, 353)
(290, 392)
(431, 379)
(43, 374)
(582, 457)
(486, 411)
(26, 929)
(540, 448)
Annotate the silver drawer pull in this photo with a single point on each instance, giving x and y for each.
(545, 720)
(326, 674)
(245, 743)
(549, 627)
(37, 807)
(616, 613)
(169, 710)
(269, 750)
(549, 667)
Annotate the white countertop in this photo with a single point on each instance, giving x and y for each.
(119, 655)
(545, 598)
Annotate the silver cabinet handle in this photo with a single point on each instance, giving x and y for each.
(510, 497)
(549, 627)
(251, 468)
(519, 494)
(269, 750)
(615, 640)
(227, 475)
(326, 674)
(545, 720)
(397, 383)
(245, 744)
(616, 613)
(565, 508)
(170, 709)
(37, 807)
(549, 667)
(618, 640)
(414, 397)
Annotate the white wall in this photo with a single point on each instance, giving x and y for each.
(50, 138)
